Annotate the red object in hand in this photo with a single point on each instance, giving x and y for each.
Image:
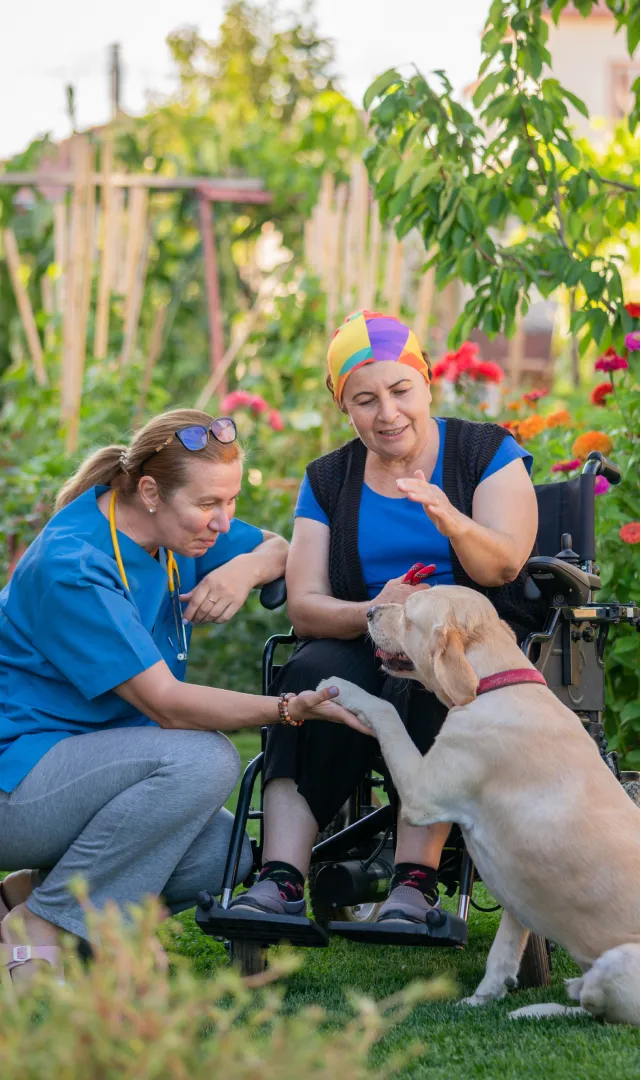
(418, 572)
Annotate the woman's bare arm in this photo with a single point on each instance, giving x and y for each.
(314, 612)
(311, 607)
(170, 703)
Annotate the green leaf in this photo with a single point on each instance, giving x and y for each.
(579, 105)
(380, 85)
(629, 712)
(488, 86)
(424, 177)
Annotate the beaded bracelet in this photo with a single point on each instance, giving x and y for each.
(284, 713)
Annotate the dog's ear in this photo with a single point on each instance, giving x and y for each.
(452, 669)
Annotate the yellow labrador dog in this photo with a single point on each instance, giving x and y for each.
(554, 836)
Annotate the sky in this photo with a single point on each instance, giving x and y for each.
(46, 45)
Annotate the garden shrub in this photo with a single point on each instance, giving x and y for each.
(133, 1014)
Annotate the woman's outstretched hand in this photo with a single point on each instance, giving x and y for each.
(318, 705)
(448, 520)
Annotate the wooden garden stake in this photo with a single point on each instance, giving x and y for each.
(396, 274)
(155, 349)
(138, 199)
(424, 305)
(75, 323)
(134, 300)
(516, 354)
(212, 286)
(60, 251)
(24, 307)
(373, 259)
(107, 252)
(334, 276)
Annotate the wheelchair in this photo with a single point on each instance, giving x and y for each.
(353, 859)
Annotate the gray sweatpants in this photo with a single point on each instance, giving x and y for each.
(133, 811)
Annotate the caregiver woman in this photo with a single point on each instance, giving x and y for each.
(111, 766)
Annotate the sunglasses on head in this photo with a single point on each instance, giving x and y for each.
(196, 436)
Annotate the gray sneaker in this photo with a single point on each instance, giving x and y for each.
(265, 897)
(406, 905)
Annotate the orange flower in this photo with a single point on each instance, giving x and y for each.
(483, 405)
(514, 405)
(561, 418)
(531, 426)
(630, 533)
(591, 440)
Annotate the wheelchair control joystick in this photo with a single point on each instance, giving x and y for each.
(566, 553)
(205, 900)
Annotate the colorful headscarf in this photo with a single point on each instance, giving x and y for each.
(367, 336)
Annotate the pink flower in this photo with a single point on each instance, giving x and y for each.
(566, 466)
(601, 485)
(610, 361)
(276, 421)
(235, 400)
(632, 342)
(534, 395)
(257, 404)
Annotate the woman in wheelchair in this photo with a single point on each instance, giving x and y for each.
(452, 496)
(112, 768)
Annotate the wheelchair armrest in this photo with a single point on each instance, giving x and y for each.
(598, 465)
(561, 582)
(274, 594)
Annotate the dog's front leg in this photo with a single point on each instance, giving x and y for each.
(503, 962)
(403, 758)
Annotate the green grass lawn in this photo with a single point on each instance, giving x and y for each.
(456, 1042)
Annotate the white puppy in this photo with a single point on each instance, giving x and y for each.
(553, 834)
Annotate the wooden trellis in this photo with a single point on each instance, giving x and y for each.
(102, 233)
(359, 265)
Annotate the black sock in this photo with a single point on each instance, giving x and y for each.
(417, 876)
(290, 881)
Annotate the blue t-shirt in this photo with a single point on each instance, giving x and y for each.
(393, 534)
(70, 631)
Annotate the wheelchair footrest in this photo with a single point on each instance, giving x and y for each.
(263, 929)
(440, 929)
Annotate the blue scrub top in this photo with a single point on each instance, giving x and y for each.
(70, 631)
(394, 534)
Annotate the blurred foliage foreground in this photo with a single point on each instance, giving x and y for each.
(127, 1015)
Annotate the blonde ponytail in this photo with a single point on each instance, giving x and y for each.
(101, 468)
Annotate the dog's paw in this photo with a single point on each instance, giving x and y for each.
(351, 697)
(475, 1001)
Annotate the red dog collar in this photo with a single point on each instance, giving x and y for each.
(509, 678)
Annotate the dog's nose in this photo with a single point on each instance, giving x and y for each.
(372, 611)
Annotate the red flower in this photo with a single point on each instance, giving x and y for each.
(535, 395)
(488, 370)
(465, 362)
(610, 361)
(235, 400)
(632, 310)
(630, 533)
(600, 393)
(566, 466)
(276, 421)
(257, 404)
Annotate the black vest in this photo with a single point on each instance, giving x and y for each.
(336, 480)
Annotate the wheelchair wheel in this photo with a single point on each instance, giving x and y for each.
(536, 963)
(247, 957)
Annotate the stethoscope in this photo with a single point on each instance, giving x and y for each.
(173, 578)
